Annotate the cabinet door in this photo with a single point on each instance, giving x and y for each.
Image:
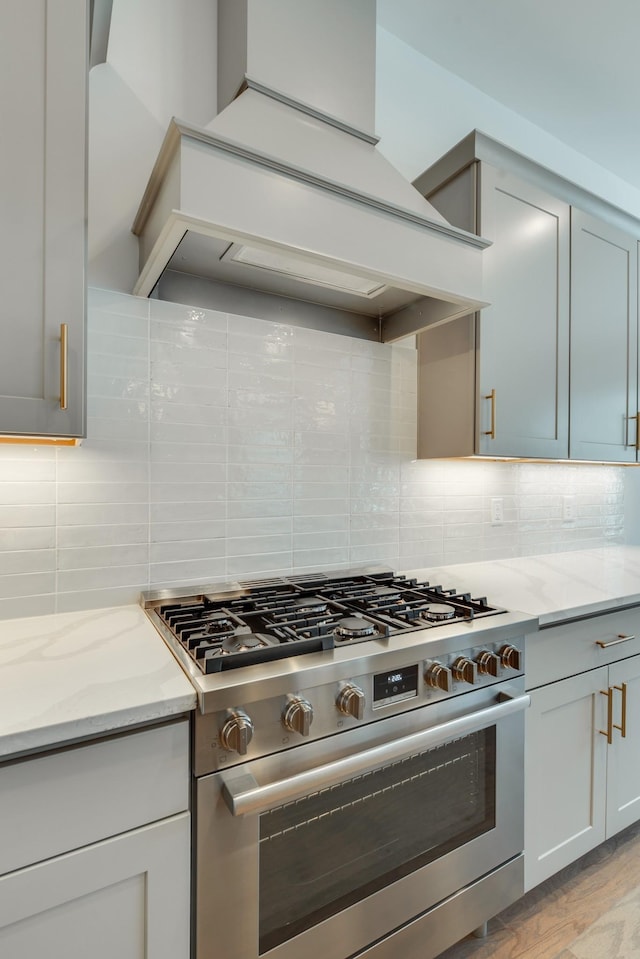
(604, 333)
(126, 897)
(43, 68)
(623, 765)
(565, 773)
(524, 333)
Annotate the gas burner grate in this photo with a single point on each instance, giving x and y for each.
(310, 614)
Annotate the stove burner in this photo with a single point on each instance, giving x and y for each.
(384, 591)
(309, 605)
(438, 611)
(241, 642)
(216, 623)
(352, 627)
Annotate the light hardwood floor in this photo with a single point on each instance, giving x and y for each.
(590, 910)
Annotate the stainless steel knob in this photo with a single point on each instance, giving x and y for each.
(489, 664)
(298, 716)
(511, 657)
(465, 670)
(351, 701)
(237, 732)
(439, 676)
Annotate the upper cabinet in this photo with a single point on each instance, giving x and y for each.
(604, 347)
(497, 384)
(43, 105)
(549, 369)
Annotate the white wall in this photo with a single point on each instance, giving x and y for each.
(422, 110)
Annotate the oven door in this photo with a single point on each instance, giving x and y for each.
(329, 847)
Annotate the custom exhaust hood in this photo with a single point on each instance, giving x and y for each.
(282, 205)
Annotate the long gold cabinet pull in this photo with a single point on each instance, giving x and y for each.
(492, 398)
(64, 350)
(623, 710)
(622, 725)
(609, 730)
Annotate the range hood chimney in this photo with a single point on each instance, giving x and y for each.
(283, 201)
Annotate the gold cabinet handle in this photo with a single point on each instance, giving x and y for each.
(609, 731)
(623, 711)
(492, 398)
(614, 642)
(63, 366)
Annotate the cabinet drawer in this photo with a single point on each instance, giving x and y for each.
(66, 799)
(571, 648)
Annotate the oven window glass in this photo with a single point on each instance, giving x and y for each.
(329, 850)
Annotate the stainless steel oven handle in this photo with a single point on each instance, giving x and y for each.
(245, 797)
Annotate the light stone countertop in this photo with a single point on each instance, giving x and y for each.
(71, 675)
(553, 587)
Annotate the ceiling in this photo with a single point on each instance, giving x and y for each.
(569, 66)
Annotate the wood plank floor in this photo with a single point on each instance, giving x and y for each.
(590, 910)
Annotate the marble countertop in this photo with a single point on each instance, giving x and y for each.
(71, 675)
(553, 587)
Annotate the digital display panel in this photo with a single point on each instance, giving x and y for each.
(395, 685)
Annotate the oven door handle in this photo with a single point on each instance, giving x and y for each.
(245, 797)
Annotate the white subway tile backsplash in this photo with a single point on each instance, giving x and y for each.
(27, 584)
(16, 517)
(13, 562)
(75, 537)
(99, 578)
(259, 508)
(28, 538)
(186, 512)
(186, 530)
(87, 557)
(223, 447)
(107, 493)
(103, 514)
(266, 564)
(27, 494)
(186, 550)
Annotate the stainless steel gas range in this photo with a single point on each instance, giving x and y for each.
(358, 761)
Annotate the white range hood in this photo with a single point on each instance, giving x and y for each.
(284, 195)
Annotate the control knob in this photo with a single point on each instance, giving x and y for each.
(298, 716)
(511, 657)
(465, 670)
(237, 732)
(489, 664)
(351, 701)
(439, 677)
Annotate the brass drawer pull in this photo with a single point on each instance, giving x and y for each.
(614, 642)
(492, 432)
(63, 366)
(609, 730)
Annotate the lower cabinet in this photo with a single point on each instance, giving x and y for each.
(582, 775)
(126, 897)
(95, 849)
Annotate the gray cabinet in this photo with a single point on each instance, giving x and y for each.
(582, 778)
(43, 87)
(550, 369)
(125, 897)
(95, 849)
(497, 383)
(604, 341)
